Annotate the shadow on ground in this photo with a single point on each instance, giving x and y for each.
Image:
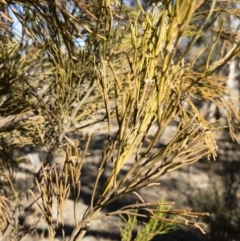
(212, 187)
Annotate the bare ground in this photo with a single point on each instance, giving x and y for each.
(203, 186)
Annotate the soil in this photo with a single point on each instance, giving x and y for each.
(197, 186)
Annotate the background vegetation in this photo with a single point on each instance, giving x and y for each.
(127, 67)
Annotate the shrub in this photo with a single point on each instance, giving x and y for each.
(73, 60)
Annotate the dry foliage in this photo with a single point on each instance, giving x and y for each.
(72, 59)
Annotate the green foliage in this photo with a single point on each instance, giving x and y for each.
(131, 74)
(129, 225)
(154, 226)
